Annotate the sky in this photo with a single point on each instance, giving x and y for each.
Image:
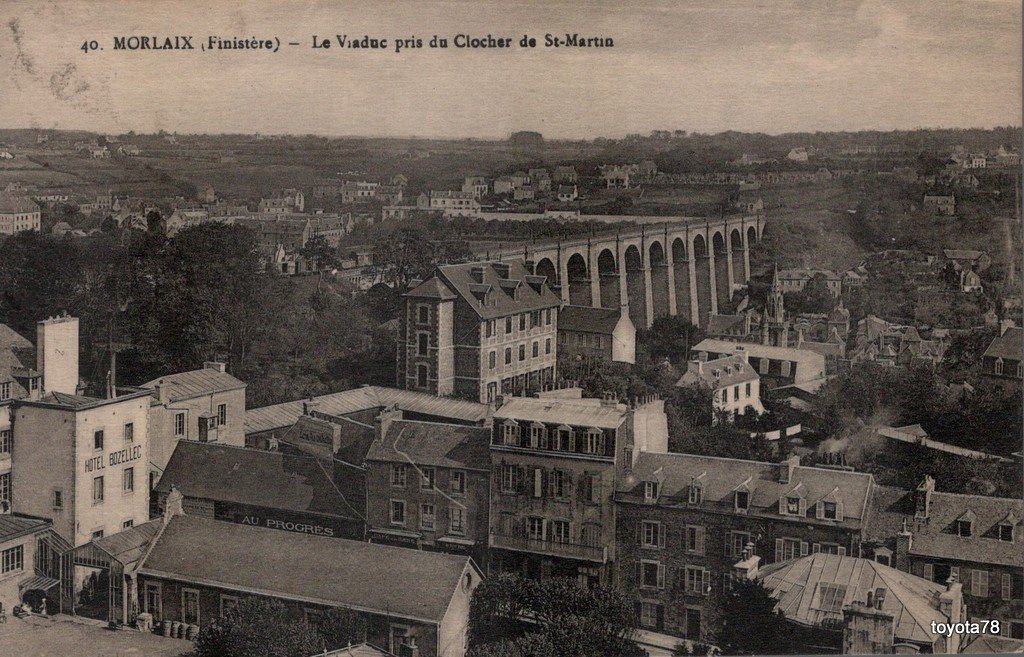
(771, 66)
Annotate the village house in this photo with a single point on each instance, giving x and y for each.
(734, 385)
(452, 203)
(683, 521)
(477, 330)
(779, 365)
(938, 204)
(197, 568)
(294, 493)
(1001, 364)
(590, 334)
(797, 154)
(749, 202)
(29, 559)
(524, 193)
(795, 280)
(565, 175)
(428, 485)
(18, 213)
(567, 193)
(972, 539)
(554, 461)
(858, 606)
(503, 185)
(205, 405)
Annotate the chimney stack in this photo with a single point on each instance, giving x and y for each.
(787, 467)
(57, 354)
(214, 365)
(923, 498)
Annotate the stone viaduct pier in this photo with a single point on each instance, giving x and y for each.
(677, 266)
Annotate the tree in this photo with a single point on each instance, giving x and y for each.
(402, 256)
(750, 624)
(569, 619)
(321, 256)
(257, 627)
(669, 338)
(341, 627)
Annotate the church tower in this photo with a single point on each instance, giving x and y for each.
(774, 327)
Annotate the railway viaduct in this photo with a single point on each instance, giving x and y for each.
(677, 266)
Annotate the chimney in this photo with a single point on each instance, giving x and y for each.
(309, 405)
(57, 354)
(173, 505)
(383, 421)
(409, 648)
(1005, 324)
(923, 498)
(867, 629)
(477, 274)
(742, 351)
(502, 269)
(747, 567)
(214, 365)
(786, 469)
(531, 266)
(904, 541)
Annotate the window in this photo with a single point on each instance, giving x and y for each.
(12, 559)
(398, 475)
(427, 479)
(560, 531)
(999, 366)
(5, 390)
(508, 355)
(128, 480)
(522, 322)
(556, 483)
(694, 539)
(97, 490)
(422, 314)
(652, 575)
(651, 535)
(829, 597)
(58, 499)
(535, 528)
(457, 521)
(510, 478)
(97, 534)
(422, 342)
(547, 346)
(421, 376)
(222, 415)
(979, 583)
(190, 606)
(522, 352)
(427, 517)
(650, 614)
(742, 500)
(179, 424)
(650, 491)
(828, 510)
(5, 486)
(152, 599)
(510, 434)
(492, 359)
(591, 534)
(97, 439)
(792, 506)
(1006, 532)
(5, 441)
(697, 580)
(129, 432)
(963, 528)
(725, 395)
(748, 391)
(696, 493)
(592, 445)
(737, 543)
(458, 482)
(397, 512)
(789, 548)
(228, 603)
(536, 349)
(763, 366)
(537, 436)
(128, 524)
(508, 325)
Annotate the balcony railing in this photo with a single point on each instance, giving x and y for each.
(524, 543)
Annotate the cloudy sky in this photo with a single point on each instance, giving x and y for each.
(753, 65)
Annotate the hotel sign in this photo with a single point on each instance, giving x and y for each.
(126, 455)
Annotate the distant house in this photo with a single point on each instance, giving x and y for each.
(99, 153)
(565, 174)
(1002, 361)
(944, 205)
(130, 150)
(520, 178)
(750, 203)
(567, 193)
(734, 384)
(525, 193)
(588, 333)
(475, 185)
(779, 365)
(798, 154)
(795, 280)
(61, 228)
(617, 176)
(503, 185)
(18, 213)
(6, 155)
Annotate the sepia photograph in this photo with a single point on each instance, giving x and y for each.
(470, 328)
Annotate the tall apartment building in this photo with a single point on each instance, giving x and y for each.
(553, 465)
(479, 330)
(684, 521)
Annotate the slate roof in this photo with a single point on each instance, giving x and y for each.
(1009, 345)
(432, 288)
(393, 581)
(253, 477)
(17, 204)
(14, 526)
(128, 545)
(718, 373)
(499, 302)
(676, 472)
(804, 358)
(433, 444)
(195, 383)
(571, 412)
(278, 416)
(15, 353)
(586, 319)
(796, 584)
(935, 536)
(719, 324)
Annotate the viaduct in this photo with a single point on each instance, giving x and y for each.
(681, 267)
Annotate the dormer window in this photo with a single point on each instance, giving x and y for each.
(696, 493)
(999, 366)
(1005, 532)
(742, 500)
(650, 491)
(792, 506)
(963, 527)
(511, 433)
(828, 510)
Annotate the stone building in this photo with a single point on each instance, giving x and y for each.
(479, 330)
(596, 334)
